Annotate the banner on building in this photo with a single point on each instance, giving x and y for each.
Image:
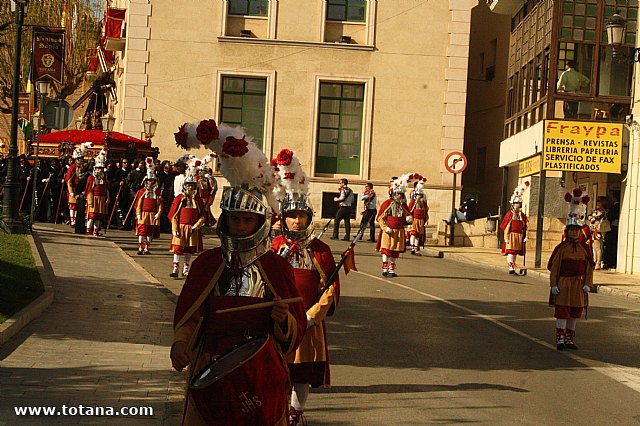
(582, 146)
(48, 53)
(529, 166)
(24, 106)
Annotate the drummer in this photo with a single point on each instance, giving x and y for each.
(313, 263)
(241, 273)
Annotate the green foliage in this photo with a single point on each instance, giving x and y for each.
(20, 282)
(82, 33)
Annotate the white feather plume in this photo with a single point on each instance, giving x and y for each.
(292, 179)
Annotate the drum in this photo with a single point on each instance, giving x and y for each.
(246, 386)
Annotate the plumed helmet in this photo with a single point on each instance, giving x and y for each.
(577, 201)
(81, 150)
(292, 191)
(251, 179)
(518, 193)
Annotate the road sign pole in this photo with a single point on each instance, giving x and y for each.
(452, 223)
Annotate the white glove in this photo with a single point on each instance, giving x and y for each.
(388, 230)
(139, 218)
(45, 180)
(310, 322)
(195, 227)
(506, 241)
(72, 195)
(525, 240)
(586, 288)
(555, 290)
(156, 216)
(176, 234)
(409, 219)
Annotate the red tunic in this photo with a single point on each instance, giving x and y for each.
(221, 332)
(310, 363)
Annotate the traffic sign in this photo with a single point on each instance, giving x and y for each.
(455, 162)
(58, 114)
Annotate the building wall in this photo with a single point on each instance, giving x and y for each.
(486, 105)
(412, 56)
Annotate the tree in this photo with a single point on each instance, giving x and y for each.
(80, 18)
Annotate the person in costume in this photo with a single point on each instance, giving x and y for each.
(420, 213)
(392, 218)
(599, 226)
(571, 265)
(187, 216)
(72, 178)
(149, 205)
(515, 228)
(207, 188)
(97, 194)
(240, 273)
(313, 263)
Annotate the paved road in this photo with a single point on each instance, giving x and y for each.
(445, 343)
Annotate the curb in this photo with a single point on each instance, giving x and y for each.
(600, 288)
(33, 310)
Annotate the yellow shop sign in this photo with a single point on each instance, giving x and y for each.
(581, 146)
(529, 166)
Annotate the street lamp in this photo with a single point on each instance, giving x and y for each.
(38, 124)
(10, 216)
(108, 121)
(149, 127)
(616, 26)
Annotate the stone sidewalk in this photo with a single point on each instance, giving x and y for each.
(103, 342)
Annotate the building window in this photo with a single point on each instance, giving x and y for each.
(346, 10)
(243, 103)
(340, 119)
(249, 7)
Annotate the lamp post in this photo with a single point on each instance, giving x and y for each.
(10, 216)
(38, 124)
(150, 126)
(616, 26)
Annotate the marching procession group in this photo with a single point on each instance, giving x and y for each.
(250, 319)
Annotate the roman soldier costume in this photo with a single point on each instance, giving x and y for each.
(240, 273)
(420, 213)
(72, 178)
(186, 216)
(515, 227)
(312, 263)
(571, 265)
(148, 209)
(393, 216)
(97, 194)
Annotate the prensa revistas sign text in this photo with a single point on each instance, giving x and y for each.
(580, 146)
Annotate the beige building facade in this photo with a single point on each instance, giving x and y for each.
(363, 89)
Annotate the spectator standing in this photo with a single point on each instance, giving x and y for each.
(345, 203)
(370, 210)
(571, 81)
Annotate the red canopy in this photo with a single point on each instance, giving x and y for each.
(98, 137)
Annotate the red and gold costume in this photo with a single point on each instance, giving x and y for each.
(71, 178)
(391, 238)
(392, 215)
(148, 207)
(209, 287)
(186, 212)
(312, 264)
(420, 212)
(515, 227)
(97, 193)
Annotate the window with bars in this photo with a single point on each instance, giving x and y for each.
(244, 103)
(346, 10)
(339, 137)
(249, 7)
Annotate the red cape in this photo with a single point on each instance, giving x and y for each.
(71, 173)
(176, 205)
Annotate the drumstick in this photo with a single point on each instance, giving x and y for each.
(258, 305)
